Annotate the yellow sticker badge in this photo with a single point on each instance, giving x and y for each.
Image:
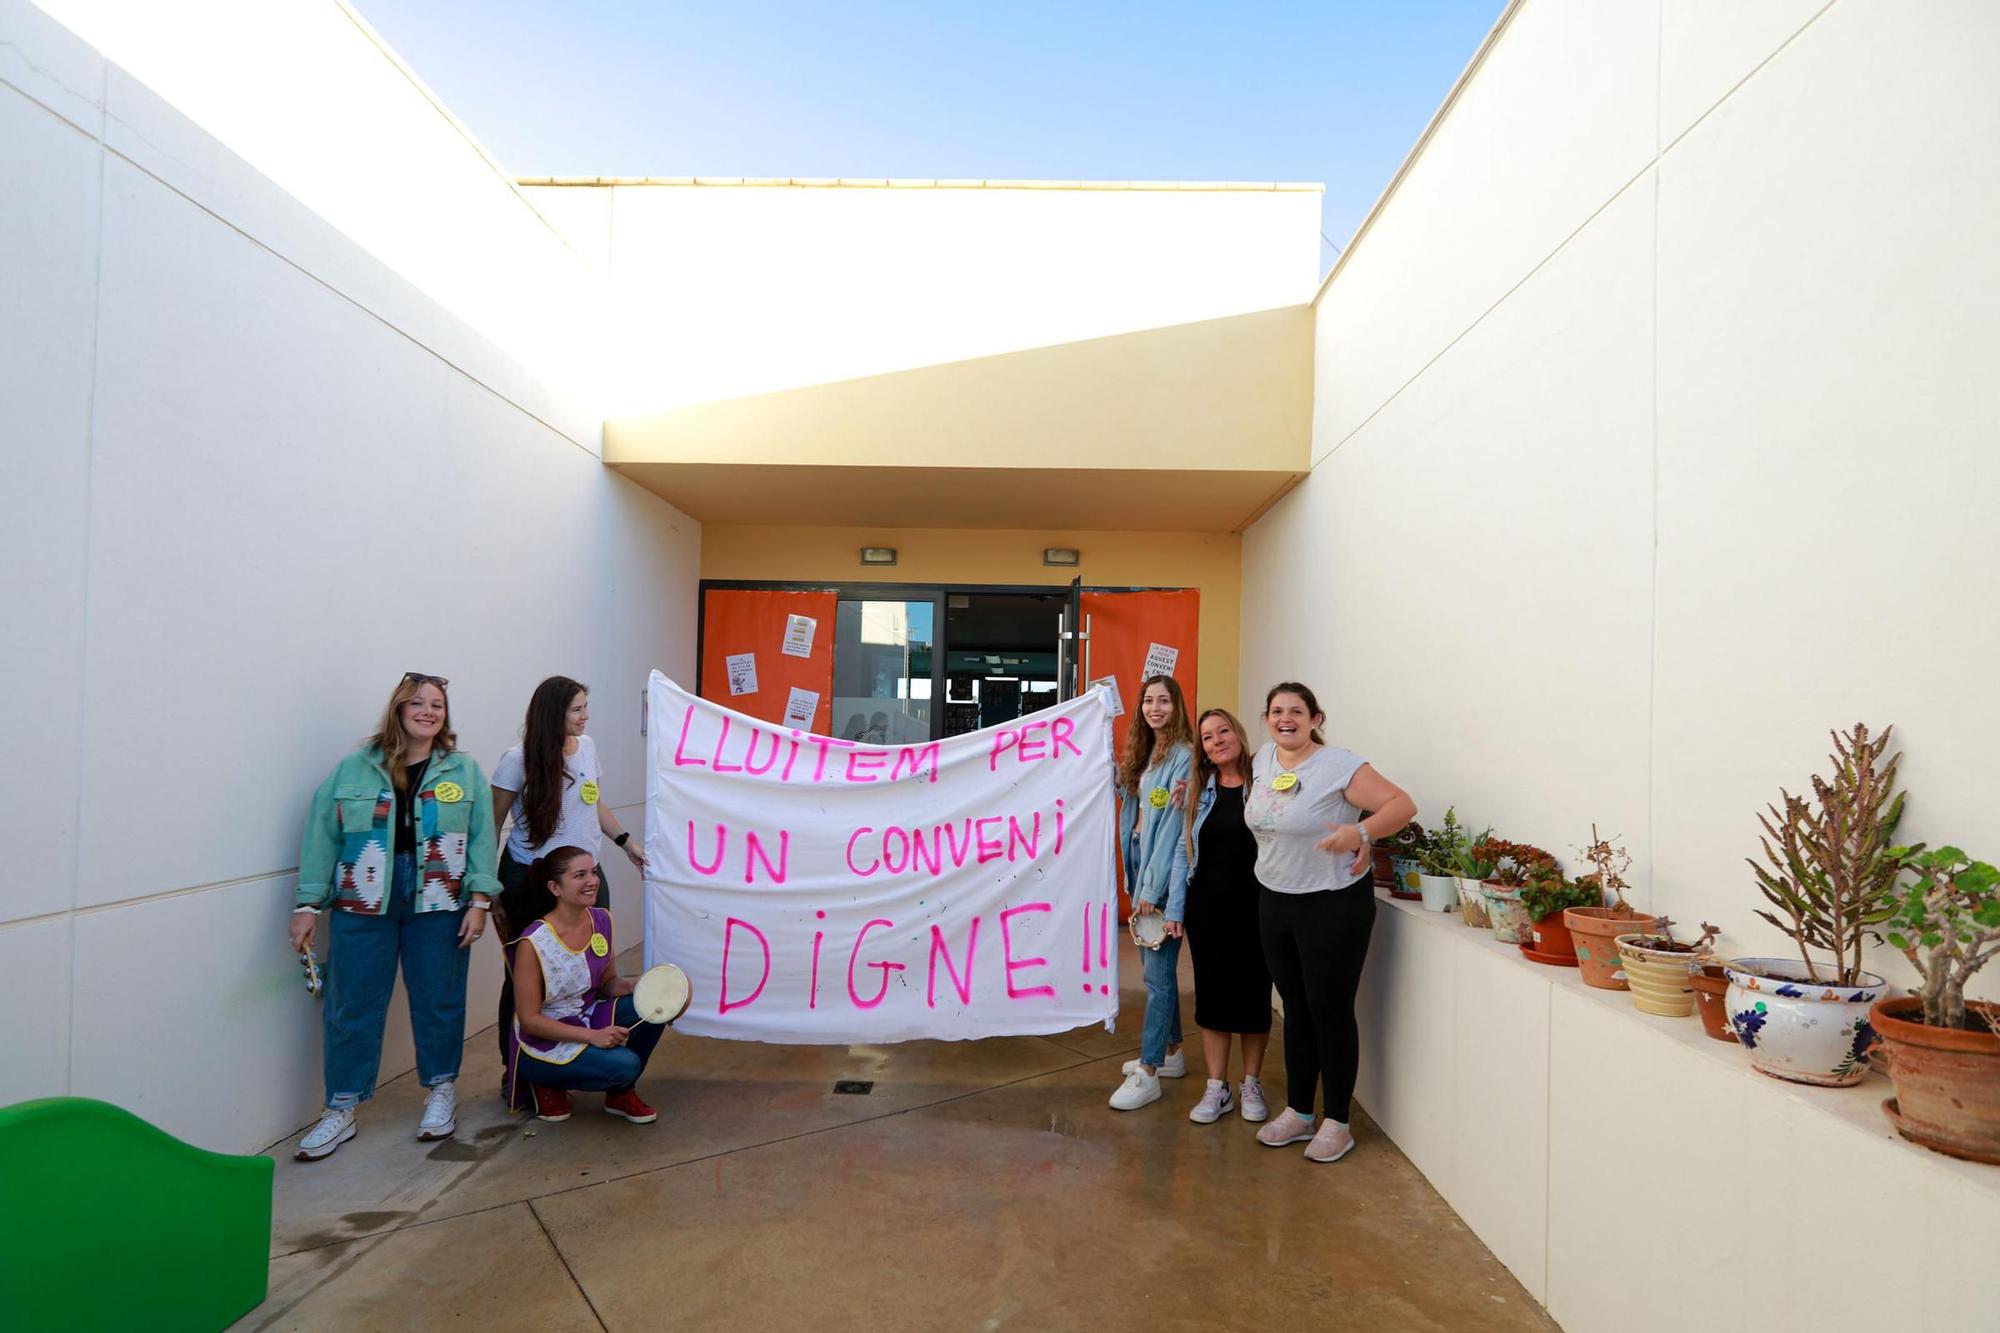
(449, 792)
(1159, 798)
(589, 791)
(599, 945)
(1284, 782)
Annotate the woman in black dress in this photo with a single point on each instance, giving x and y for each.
(1217, 860)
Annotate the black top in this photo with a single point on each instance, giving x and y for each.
(1228, 848)
(406, 808)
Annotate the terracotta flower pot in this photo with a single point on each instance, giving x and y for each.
(1503, 909)
(1472, 903)
(1406, 877)
(1596, 929)
(1798, 1029)
(1385, 869)
(1947, 1080)
(1711, 992)
(1658, 978)
(1549, 941)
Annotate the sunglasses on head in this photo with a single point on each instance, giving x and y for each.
(419, 678)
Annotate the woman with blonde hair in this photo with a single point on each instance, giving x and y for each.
(1215, 862)
(400, 845)
(1159, 754)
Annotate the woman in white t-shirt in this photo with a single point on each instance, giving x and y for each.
(1314, 810)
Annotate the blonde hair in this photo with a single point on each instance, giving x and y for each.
(1205, 768)
(394, 742)
(1139, 742)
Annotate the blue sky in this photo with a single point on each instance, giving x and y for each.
(1335, 91)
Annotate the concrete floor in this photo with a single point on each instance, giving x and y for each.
(982, 1185)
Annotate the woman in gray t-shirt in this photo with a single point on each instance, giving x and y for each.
(1314, 810)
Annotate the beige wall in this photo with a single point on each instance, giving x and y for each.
(1206, 560)
(1654, 430)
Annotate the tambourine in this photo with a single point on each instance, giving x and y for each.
(662, 994)
(1149, 930)
(315, 980)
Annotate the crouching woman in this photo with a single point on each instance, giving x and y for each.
(575, 1026)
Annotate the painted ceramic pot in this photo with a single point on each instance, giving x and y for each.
(1504, 911)
(1407, 873)
(1596, 929)
(1798, 1029)
(1947, 1079)
(1440, 892)
(1472, 903)
(1658, 978)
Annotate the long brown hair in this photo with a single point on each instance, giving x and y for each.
(394, 742)
(1139, 741)
(545, 774)
(1305, 697)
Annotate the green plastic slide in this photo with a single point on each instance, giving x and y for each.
(107, 1222)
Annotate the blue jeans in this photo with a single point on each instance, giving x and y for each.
(601, 1069)
(1162, 1027)
(361, 976)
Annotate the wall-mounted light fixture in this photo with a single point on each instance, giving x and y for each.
(878, 555)
(1060, 555)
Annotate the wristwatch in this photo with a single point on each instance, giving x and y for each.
(1362, 829)
(622, 838)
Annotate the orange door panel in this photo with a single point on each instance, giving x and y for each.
(752, 620)
(1124, 626)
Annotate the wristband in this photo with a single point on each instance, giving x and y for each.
(308, 911)
(622, 838)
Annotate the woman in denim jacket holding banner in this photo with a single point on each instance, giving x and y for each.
(1159, 755)
(400, 845)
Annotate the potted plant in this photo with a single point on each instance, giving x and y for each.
(1437, 863)
(1941, 1051)
(1543, 902)
(1473, 870)
(1711, 998)
(1657, 966)
(1516, 865)
(1403, 849)
(1597, 928)
(1831, 866)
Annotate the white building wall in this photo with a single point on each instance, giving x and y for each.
(720, 291)
(259, 475)
(1653, 435)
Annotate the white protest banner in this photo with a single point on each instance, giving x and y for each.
(822, 890)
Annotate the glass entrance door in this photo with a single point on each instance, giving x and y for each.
(885, 668)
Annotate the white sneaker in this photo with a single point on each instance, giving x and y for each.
(1137, 1090)
(440, 1113)
(334, 1128)
(1174, 1066)
(1253, 1099)
(1214, 1104)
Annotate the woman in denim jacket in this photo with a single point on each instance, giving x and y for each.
(1159, 755)
(1215, 864)
(400, 844)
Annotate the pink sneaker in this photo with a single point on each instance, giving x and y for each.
(1289, 1127)
(1332, 1143)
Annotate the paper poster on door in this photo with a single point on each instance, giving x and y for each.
(800, 707)
(1160, 661)
(742, 673)
(1109, 684)
(799, 636)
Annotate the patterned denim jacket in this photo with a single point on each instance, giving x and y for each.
(348, 855)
